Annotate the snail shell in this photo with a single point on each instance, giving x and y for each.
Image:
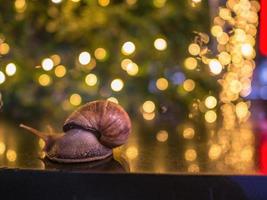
(89, 133)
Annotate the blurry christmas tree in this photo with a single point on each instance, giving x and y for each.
(58, 54)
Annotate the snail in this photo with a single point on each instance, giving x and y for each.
(89, 133)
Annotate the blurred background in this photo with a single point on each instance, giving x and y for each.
(182, 70)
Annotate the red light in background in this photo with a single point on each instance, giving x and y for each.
(263, 158)
(263, 27)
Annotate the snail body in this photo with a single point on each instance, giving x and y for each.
(89, 133)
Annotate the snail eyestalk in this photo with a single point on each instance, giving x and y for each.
(35, 132)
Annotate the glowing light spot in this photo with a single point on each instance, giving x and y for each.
(4, 48)
(2, 77)
(128, 48)
(117, 85)
(75, 1)
(131, 2)
(2, 148)
(235, 86)
(47, 64)
(20, 6)
(160, 44)
(193, 168)
(131, 152)
(132, 69)
(159, 3)
(189, 85)
(210, 102)
(44, 80)
(247, 50)
(113, 99)
(60, 71)
(100, 54)
(148, 106)
(215, 151)
(222, 38)
(215, 66)
(162, 84)
(190, 63)
(162, 136)
(210, 116)
(224, 58)
(84, 58)
(11, 69)
(75, 99)
(216, 30)
(194, 49)
(91, 79)
(125, 63)
(241, 110)
(190, 155)
(41, 143)
(11, 155)
(188, 133)
(56, 1)
(103, 3)
(56, 59)
(149, 116)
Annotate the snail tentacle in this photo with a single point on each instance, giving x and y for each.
(34, 131)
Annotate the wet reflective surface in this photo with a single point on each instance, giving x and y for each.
(190, 147)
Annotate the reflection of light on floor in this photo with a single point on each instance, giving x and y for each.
(2, 148)
(131, 152)
(11, 155)
(193, 168)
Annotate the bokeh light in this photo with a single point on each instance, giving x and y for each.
(148, 116)
(210, 102)
(113, 99)
(190, 63)
(11, 155)
(162, 84)
(215, 151)
(160, 44)
(215, 66)
(11, 69)
(210, 116)
(190, 154)
(132, 69)
(44, 80)
(148, 106)
(131, 152)
(2, 148)
(100, 54)
(103, 3)
(194, 49)
(2, 77)
(47, 64)
(84, 58)
(117, 85)
(4, 48)
(60, 71)
(189, 85)
(188, 133)
(75, 99)
(91, 79)
(128, 48)
(162, 136)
